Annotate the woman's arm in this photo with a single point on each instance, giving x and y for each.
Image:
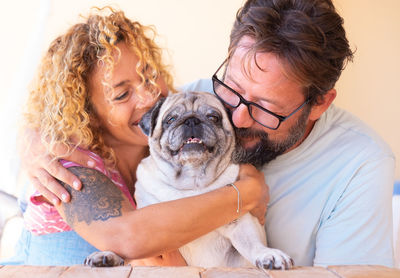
(104, 217)
(45, 173)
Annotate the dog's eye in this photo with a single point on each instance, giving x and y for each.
(213, 118)
(170, 120)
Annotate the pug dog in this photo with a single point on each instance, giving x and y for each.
(191, 142)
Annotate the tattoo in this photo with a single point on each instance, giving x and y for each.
(99, 198)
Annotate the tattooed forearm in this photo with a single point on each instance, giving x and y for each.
(99, 198)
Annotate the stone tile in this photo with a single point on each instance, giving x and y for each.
(15, 271)
(365, 271)
(81, 271)
(302, 272)
(165, 272)
(233, 273)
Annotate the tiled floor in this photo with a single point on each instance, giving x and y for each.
(195, 272)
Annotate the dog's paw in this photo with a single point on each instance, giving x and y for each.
(274, 259)
(103, 259)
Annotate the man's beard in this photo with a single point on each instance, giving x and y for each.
(266, 150)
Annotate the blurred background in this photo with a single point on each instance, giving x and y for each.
(195, 35)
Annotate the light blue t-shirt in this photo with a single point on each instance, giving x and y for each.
(331, 197)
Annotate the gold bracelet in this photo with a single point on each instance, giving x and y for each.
(239, 201)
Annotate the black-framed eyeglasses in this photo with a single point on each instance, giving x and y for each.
(258, 113)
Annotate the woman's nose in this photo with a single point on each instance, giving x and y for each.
(241, 117)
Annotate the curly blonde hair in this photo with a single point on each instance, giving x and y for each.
(59, 105)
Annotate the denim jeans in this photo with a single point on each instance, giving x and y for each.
(64, 248)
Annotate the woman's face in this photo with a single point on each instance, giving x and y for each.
(120, 110)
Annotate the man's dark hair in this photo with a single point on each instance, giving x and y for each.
(308, 36)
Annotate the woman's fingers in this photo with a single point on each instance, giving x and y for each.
(259, 211)
(50, 197)
(44, 169)
(77, 156)
(247, 170)
(47, 181)
(55, 168)
(57, 171)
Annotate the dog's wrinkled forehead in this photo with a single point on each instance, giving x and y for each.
(179, 104)
(189, 103)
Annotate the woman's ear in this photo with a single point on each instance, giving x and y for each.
(323, 104)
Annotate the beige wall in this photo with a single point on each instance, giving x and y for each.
(196, 35)
(370, 86)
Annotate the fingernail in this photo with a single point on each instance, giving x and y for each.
(90, 163)
(75, 184)
(56, 201)
(64, 197)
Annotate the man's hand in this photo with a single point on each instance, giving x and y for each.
(43, 170)
(249, 174)
(173, 258)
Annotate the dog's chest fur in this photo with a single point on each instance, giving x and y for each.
(210, 250)
(153, 186)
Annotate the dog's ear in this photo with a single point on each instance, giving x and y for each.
(149, 119)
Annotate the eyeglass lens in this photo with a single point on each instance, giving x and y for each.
(230, 98)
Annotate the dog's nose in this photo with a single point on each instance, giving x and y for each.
(192, 121)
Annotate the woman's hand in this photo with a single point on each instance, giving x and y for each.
(254, 181)
(173, 258)
(43, 171)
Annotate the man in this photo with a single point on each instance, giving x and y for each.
(330, 176)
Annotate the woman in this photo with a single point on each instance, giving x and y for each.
(94, 84)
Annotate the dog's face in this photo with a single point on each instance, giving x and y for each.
(190, 132)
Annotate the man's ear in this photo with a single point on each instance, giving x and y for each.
(323, 104)
(149, 119)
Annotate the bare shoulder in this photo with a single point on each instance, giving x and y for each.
(98, 200)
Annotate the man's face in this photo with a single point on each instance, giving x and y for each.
(269, 86)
